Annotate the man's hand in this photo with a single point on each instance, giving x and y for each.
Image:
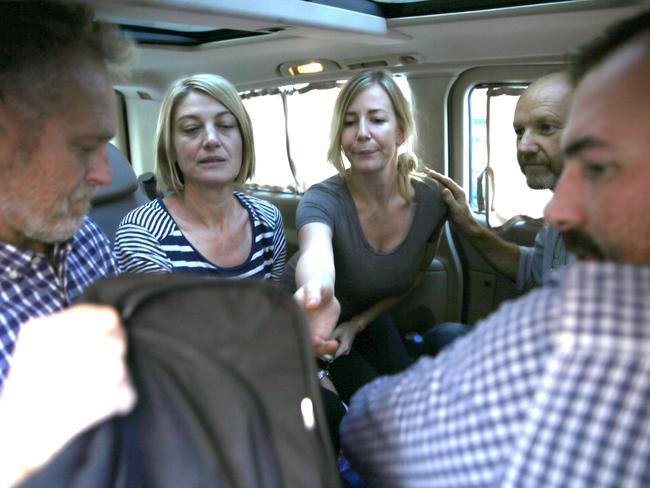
(322, 310)
(454, 196)
(67, 374)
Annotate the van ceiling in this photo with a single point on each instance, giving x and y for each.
(247, 40)
(391, 9)
(145, 31)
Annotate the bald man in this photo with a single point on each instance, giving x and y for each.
(539, 120)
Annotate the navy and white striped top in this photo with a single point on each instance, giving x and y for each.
(149, 241)
(31, 285)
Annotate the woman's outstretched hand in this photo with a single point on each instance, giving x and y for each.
(322, 310)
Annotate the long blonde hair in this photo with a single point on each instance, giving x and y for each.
(406, 162)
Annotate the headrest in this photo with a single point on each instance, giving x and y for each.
(123, 182)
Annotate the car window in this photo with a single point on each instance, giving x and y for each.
(492, 143)
(307, 121)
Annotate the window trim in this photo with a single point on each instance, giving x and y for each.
(458, 109)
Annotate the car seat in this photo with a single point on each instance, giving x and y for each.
(111, 203)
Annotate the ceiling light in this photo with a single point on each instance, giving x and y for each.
(307, 67)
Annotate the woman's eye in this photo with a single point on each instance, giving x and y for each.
(190, 129)
(348, 123)
(378, 121)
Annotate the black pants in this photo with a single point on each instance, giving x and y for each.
(376, 351)
(441, 335)
(334, 412)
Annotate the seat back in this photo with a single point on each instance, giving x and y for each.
(111, 203)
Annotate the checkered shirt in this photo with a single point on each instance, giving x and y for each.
(551, 390)
(30, 286)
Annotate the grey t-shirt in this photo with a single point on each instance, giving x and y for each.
(363, 275)
(536, 263)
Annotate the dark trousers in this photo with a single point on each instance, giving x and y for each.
(334, 412)
(376, 351)
(441, 335)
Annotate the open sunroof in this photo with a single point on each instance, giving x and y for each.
(412, 8)
(179, 35)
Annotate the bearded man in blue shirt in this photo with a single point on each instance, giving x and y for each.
(553, 389)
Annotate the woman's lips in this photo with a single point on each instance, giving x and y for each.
(213, 160)
(364, 152)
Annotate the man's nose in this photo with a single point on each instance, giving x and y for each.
(566, 210)
(528, 142)
(99, 170)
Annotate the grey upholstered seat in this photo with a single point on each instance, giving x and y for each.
(114, 201)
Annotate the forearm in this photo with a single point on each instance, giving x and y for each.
(501, 254)
(17, 462)
(315, 285)
(375, 310)
(312, 267)
(316, 261)
(20, 451)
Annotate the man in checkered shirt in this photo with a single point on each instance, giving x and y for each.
(55, 121)
(553, 389)
(57, 113)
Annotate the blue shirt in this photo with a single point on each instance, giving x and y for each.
(551, 390)
(31, 286)
(148, 240)
(548, 254)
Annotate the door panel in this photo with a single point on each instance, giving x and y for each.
(439, 296)
(485, 288)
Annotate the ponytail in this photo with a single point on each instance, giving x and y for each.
(406, 166)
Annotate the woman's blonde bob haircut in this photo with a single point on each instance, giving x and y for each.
(406, 163)
(168, 172)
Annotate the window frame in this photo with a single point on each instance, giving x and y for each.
(288, 91)
(458, 109)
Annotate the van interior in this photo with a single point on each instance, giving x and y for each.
(463, 64)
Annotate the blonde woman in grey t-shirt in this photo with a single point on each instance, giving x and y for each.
(374, 227)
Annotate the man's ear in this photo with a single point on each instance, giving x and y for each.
(4, 118)
(7, 136)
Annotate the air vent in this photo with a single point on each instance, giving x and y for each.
(368, 65)
(409, 59)
(383, 62)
